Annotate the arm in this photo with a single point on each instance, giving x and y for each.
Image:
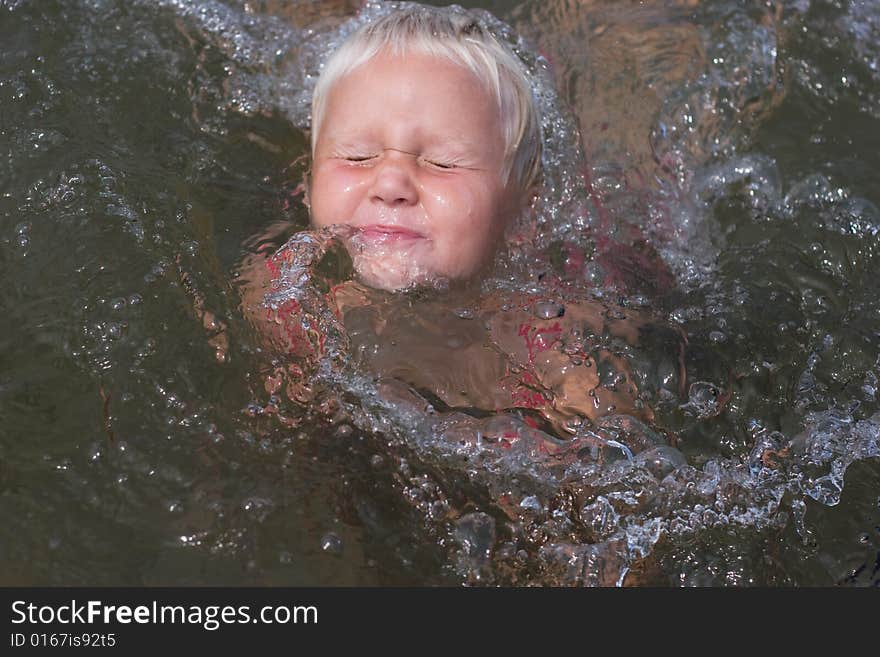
(295, 324)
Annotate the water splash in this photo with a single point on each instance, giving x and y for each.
(774, 264)
(593, 508)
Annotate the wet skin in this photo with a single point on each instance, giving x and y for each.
(410, 155)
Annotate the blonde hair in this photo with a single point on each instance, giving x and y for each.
(455, 34)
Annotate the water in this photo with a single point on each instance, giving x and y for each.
(713, 165)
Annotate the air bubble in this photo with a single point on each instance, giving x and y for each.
(548, 310)
(703, 399)
(532, 504)
(331, 544)
(660, 461)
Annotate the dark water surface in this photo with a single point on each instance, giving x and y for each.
(717, 163)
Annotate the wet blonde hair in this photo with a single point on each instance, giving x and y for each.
(458, 36)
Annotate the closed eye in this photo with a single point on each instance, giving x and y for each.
(358, 158)
(439, 164)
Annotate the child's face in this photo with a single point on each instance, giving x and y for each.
(410, 155)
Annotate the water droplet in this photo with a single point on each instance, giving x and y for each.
(548, 309)
(703, 399)
(114, 330)
(331, 544)
(660, 460)
(572, 425)
(600, 516)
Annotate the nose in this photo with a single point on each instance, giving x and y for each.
(393, 182)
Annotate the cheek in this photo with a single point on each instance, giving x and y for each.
(454, 203)
(334, 195)
(455, 209)
(469, 214)
(466, 224)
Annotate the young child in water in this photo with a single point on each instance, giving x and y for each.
(425, 146)
(425, 142)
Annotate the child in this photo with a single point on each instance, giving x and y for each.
(425, 146)
(425, 141)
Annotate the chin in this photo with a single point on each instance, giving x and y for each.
(393, 274)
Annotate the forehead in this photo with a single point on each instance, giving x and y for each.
(415, 61)
(433, 86)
